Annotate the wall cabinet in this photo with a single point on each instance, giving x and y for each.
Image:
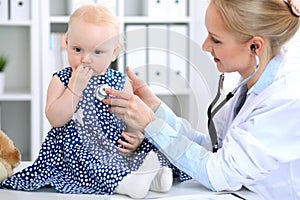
(20, 109)
(163, 48)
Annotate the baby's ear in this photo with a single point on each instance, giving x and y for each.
(115, 54)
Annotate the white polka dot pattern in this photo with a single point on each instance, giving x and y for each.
(81, 156)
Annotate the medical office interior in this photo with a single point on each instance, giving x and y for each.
(162, 46)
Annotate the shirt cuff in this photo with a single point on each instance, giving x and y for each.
(164, 112)
(180, 125)
(184, 153)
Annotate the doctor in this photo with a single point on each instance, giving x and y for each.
(259, 137)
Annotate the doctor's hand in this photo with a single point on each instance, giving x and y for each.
(131, 143)
(143, 91)
(130, 108)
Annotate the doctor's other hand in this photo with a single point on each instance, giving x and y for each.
(143, 91)
(130, 143)
(130, 108)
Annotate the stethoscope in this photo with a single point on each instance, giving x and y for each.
(211, 113)
(100, 93)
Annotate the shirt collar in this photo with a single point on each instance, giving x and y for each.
(268, 75)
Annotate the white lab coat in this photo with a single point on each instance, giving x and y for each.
(261, 146)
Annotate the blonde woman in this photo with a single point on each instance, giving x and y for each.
(258, 128)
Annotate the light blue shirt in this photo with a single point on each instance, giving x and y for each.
(268, 76)
(182, 145)
(260, 147)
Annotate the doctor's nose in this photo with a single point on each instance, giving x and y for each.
(206, 46)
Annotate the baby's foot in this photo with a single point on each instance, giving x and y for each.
(163, 180)
(137, 184)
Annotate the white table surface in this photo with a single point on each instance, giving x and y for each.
(189, 190)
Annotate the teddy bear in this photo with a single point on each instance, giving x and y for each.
(10, 156)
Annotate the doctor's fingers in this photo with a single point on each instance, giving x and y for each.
(137, 119)
(134, 80)
(120, 108)
(132, 108)
(134, 134)
(116, 103)
(131, 117)
(118, 94)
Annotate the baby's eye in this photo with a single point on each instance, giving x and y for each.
(97, 52)
(77, 49)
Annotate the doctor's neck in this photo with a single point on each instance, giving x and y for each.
(263, 62)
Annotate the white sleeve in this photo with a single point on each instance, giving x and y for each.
(256, 144)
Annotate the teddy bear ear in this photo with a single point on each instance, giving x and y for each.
(8, 151)
(13, 158)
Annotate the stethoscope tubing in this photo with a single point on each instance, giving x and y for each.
(211, 113)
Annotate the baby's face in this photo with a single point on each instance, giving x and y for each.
(91, 45)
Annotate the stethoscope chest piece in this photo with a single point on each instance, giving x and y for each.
(100, 92)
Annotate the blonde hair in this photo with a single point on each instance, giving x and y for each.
(270, 19)
(97, 15)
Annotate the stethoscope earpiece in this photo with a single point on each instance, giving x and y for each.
(253, 47)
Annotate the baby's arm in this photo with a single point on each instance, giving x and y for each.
(61, 101)
(60, 104)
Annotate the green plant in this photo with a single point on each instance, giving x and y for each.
(3, 62)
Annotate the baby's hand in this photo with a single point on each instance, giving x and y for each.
(131, 143)
(80, 78)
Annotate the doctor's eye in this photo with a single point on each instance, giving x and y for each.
(215, 40)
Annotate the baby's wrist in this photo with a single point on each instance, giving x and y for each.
(77, 94)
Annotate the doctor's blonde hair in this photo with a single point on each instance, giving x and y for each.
(270, 19)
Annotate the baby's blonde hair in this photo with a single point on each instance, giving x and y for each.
(270, 19)
(97, 15)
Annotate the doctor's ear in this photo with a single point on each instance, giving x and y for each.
(253, 48)
(256, 44)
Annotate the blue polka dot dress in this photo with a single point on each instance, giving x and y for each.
(81, 156)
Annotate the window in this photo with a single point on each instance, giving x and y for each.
(293, 47)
